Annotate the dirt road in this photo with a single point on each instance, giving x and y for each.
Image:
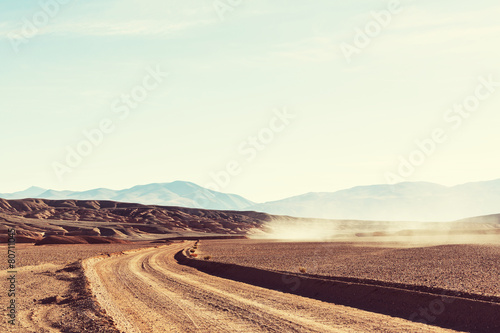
(148, 291)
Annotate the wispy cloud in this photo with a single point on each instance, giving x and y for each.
(315, 49)
(129, 28)
(117, 28)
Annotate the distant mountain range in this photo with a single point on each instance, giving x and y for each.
(419, 201)
(410, 201)
(178, 193)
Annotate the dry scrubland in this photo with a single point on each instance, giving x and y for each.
(465, 268)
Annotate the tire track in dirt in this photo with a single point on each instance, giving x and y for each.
(148, 291)
(232, 301)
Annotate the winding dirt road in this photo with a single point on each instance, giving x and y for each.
(148, 291)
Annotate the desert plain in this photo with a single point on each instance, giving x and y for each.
(107, 267)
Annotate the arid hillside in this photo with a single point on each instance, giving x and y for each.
(83, 220)
(37, 218)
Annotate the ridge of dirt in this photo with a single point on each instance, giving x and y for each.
(462, 311)
(50, 240)
(87, 314)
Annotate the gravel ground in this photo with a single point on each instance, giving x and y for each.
(465, 268)
(29, 255)
(149, 291)
(51, 293)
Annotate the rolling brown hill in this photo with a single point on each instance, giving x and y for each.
(37, 218)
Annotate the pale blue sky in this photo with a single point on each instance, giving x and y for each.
(352, 121)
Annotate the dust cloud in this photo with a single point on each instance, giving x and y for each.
(482, 230)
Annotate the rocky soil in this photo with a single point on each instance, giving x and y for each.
(464, 268)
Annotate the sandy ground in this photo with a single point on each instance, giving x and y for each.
(467, 268)
(51, 292)
(132, 289)
(148, 291)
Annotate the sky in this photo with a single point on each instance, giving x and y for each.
(266, 99)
